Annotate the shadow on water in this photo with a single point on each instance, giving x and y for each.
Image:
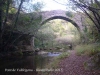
(22, 66)
(26, 65)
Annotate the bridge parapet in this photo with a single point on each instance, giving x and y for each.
(48, 14)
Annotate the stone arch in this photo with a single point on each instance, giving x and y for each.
(63, 18)
(82, 35)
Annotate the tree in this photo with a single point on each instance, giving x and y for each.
(5, 4)
(45, 35)
(91, 8)
(6, 8)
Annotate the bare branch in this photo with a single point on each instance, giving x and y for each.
(18, 12)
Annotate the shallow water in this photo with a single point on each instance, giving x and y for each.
(50, 54)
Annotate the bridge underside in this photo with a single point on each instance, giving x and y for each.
(63, 18)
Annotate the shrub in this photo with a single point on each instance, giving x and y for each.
(90, 49)
(80, 49)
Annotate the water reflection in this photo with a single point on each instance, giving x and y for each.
(54, 54)
(25, 65)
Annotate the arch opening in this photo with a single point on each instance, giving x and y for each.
(60, 40)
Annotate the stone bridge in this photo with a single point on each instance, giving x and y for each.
(76, 20)
(57, 14)
(61, 14)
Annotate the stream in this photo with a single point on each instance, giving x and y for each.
(28, 65)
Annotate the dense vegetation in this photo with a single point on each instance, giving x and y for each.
(15, 23)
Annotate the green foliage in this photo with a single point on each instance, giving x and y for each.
(90, 49)
(62, 28)
(12, 10)
(88, 7)
(91, 31)
(45, 33)
(63, 55)
(38, 6)
(58, 26)
(69, 14)
(37, 43)
(80, 49)
(15, 16)
(29, 23)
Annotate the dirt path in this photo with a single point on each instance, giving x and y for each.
(73, 65)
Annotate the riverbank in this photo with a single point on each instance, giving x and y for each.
(53, 64)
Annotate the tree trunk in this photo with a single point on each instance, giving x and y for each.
(32, 42)
(1, 20)
(17, 14)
